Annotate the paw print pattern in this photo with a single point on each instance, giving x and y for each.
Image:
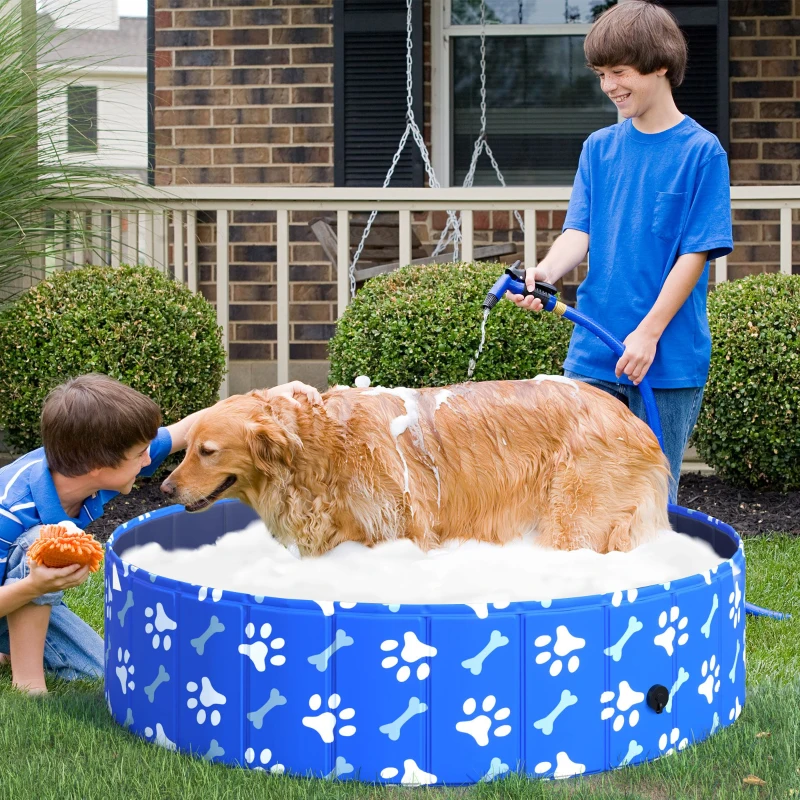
(207, 698)
(325, 723)
(263, 760)
(412, 651)
(259, 650)
(565, 644)
(735, 600)
(666, 638)
(626, 700)
(480, 726)
(710, 686)
(735, 711)
(125, 671)
(160, 624)
(666, 744)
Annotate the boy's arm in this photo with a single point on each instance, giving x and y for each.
(180, 430)
(640, 345)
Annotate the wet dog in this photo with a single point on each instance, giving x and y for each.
(488, 461)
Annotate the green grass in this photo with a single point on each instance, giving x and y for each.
(65, 745)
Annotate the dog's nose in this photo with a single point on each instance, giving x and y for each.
(168, 488)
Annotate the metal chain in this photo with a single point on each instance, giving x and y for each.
(481, 144)
(413, 129)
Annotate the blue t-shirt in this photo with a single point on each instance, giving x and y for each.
(28, 496)
(646, 199)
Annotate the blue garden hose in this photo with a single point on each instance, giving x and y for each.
(513, 280)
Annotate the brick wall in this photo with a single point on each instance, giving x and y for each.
(244, 96)
(765, 133)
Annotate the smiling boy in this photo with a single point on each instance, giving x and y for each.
(650, 206)
(98, 435)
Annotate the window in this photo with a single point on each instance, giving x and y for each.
(82, 119)
(542, 102)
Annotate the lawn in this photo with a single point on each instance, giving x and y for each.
(65, 745)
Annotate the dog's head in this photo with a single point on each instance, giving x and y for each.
(235, 446)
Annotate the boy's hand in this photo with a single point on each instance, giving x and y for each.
(532, 274)
(640, 350)
(289, 390)
(50, 579)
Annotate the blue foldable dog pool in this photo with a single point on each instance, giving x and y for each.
(424, 694)
(420, 694)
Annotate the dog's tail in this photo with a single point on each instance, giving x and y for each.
(651, 513)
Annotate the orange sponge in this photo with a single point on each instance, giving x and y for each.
(57, 546)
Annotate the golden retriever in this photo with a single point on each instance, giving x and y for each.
(487, 461)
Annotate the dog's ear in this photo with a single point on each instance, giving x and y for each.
(272, 434)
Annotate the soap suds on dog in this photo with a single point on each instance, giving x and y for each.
(253, 562)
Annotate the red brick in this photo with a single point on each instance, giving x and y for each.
(242, 116)
(183, 77)
(322, 134)
(750, 48)
(744, 150)
(543, 220)
(195, 175)
(312, 55)
(777, 151)
(260, 16)
(743, 110)
(162, 59)
(195, 136)
(234, 37)
(242, 155)
(202, 19)
(762, 130)
(780, 68)
(302, 95)
(779, 110)
(501, 220)
(174, 118)
(203, 97)
(261, 135)
(295, 35)
(311, 176)
(312, 16)
(272, 175)
(163, 98)
(304, 75)
(558, 219)
(163, 19)
(261, 96)
(745, 89)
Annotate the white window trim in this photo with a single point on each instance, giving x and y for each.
(441, 62)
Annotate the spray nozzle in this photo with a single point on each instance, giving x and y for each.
(513, 280)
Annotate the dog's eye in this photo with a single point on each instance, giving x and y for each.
(205, 451)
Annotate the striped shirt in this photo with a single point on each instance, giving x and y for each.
(28, 496)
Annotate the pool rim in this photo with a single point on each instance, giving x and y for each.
(736, 561)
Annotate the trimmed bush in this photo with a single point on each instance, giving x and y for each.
(748, 428)
(420, 326)
(133, 324)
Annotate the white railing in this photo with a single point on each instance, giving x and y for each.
(148, 213)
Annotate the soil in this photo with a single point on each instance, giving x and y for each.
(748, 511)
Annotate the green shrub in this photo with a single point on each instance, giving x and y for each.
(748, 428)
(420, 326)
(132, 323)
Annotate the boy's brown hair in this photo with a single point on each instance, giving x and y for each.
(638, 34)
(92, 421)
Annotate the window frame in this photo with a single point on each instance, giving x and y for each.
(74, 134)
(442, 66)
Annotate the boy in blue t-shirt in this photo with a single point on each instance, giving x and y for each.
(650, 205)
(98, 436)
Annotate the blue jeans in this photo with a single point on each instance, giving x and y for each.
(72, 649)
(678, 409)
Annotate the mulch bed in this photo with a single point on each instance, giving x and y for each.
(749, 512)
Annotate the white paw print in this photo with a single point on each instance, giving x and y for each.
(258, 651)
(735, 600)
(325, 723)
(626, 700)
(208, 697)
(125, 671)
(565, 644)
(710, 686)
(669, 742)
(666, 638)
(263, 758)
(478, 727)
(109, 597)
(161, 623)
(159, 737)
(413, 650)
(735, 711)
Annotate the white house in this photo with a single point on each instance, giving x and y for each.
(104, 107)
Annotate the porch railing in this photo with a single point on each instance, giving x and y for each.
(149, 214)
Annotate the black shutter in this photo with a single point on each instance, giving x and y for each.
(369, 79)
(704, 92)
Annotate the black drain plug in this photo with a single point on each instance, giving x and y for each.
(658, 697)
